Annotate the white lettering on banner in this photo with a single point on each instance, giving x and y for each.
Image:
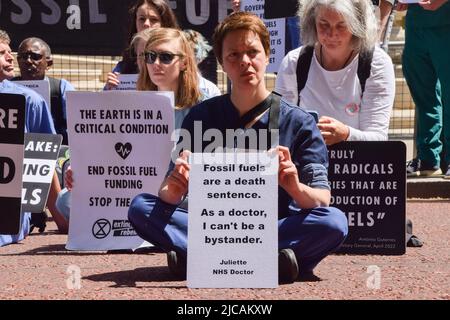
(223, 8)
(25, 16)
(74, 21)
(191, 15)
(35, 197)
(37, 170)
(55, 14)
(8, 120)
(42, 146)
(94, 15)
(54, 17)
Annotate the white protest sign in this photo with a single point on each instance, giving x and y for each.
(232, 222)
(127, 82)
(120, 147)
(41, 151)
(277, 31)
(42, 87)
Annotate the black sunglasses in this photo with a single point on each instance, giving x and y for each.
(33, 55)
(164, 57)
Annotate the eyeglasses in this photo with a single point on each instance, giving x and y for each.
(164, 57)
(33, 55)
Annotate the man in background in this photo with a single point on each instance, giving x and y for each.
(35, 58)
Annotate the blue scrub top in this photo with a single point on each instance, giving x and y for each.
(297, 131)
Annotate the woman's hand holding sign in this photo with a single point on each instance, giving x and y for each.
(175, 186)
(287, 171)
(288, 178)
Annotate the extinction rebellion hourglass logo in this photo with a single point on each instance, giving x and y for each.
(101, 228)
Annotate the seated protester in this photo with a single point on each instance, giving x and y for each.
(342, 73)
(38, 119)
(170, 65)
(35, 58)
(308, 229)
(201, 49)
(144, 14)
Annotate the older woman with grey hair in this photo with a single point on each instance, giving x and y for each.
(340, 72)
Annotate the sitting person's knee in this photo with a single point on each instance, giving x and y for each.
(336, 223)
(140, 205)
(64, 203)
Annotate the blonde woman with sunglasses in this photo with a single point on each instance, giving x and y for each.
(171, 66)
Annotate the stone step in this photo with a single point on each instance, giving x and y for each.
(428, 188)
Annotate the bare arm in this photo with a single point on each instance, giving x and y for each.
(432, 5)
(332, 130)
(175, 186)
(112, 81)
(305, 196)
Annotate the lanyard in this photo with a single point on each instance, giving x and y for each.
(274, 113)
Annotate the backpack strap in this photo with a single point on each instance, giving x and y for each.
(56, 107)
(364, 66)
(274, 125)
(274, 115)
(303, 64)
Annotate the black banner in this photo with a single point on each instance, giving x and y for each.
(41, 152)
(12, 124)
(274, 10)
(95, 27)
(368, 182)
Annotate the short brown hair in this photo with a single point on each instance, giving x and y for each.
(240, 21)
(4, 37)
(188, 93)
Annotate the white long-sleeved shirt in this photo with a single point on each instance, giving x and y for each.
(337, 94)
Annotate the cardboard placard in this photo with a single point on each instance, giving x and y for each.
(233, 229)
(127, 82)
(277, 31)
(42, 87)
(41, 152)
(12, 128)
(368, 183)
(120, 147)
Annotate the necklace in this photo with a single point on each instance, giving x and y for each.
(345, 63)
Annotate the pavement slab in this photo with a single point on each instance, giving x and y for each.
(40, 268)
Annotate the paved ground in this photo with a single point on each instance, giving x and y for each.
(38, 269)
